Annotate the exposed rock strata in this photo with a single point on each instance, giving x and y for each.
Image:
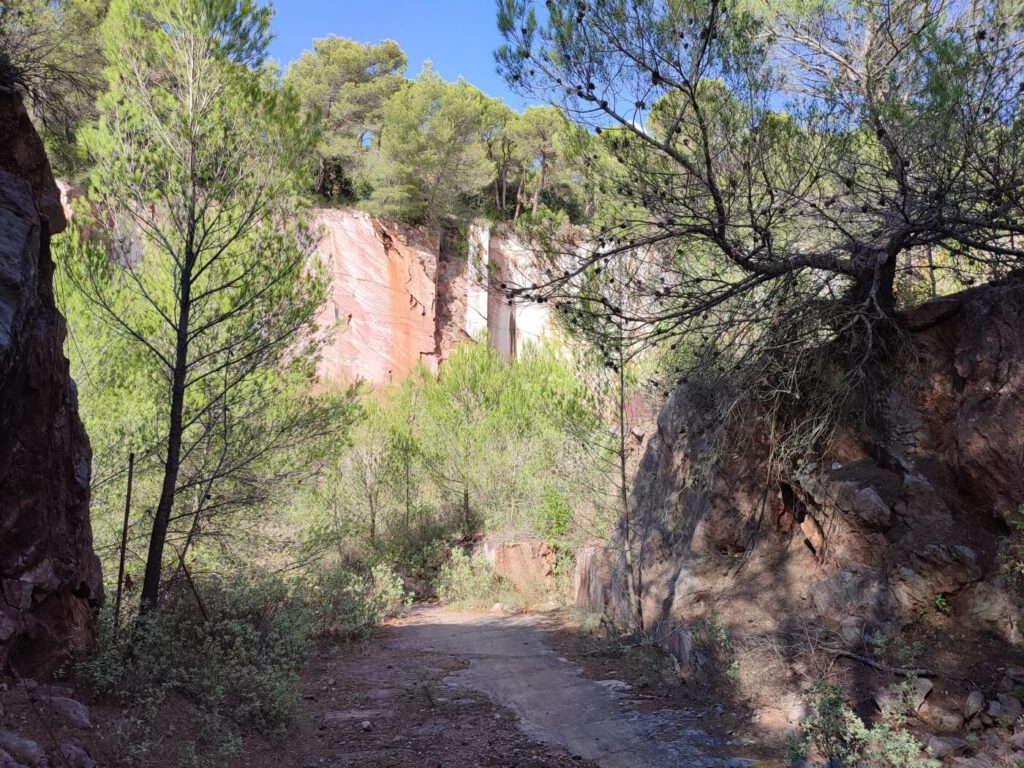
(895, 518)
(49, 576)
(402, 295)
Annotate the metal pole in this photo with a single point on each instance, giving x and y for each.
(124, 539)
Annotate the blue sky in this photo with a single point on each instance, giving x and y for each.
(458, 36)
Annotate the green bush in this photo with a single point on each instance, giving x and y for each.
(416, 552)
(237, 654)
(840, 737)
(347, 606)
(465, 579)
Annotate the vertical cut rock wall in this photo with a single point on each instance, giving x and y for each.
(403, 295)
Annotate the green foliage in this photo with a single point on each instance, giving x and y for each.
(763, 238)
(464, 578)
(49, 49)
(554, 517)
(424, 150)
(895, 651)
(1011, 554)
(236, 658)
(192, 296)
(484, 446)
(433, 159)
(235, 655)
(840, 737)
(348, 606)
(347, 85)
(253, 465)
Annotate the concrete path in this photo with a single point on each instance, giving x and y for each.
(510, 663)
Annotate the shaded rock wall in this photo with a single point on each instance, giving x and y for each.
(49, 576)
(896, 514)
(401, 295)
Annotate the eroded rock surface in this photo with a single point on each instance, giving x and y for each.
(898, 518)
(49, 576)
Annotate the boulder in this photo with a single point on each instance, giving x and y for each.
(974, 703)
(22, 749)
(947, 746)
(1012, 709)
(940, 718)
(75, 755)
(69, 711)
(526, 565)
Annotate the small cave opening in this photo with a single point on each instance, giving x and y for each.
(791, 503)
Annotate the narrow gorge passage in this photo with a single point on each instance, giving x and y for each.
(510, 663)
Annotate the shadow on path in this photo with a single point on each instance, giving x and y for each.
(510, 663)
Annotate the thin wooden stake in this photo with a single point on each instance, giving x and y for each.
(124, 539)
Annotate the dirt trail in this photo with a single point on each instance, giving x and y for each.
(511, 664)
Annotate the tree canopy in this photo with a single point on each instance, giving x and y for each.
(347, 84)
(776, 169)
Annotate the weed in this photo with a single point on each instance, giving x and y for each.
(1011, 555)
(941, 604)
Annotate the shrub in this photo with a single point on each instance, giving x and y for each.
(464, 579)
(416, 552)
(388, 594)
(1011, 555)
(348, 606)
(235, 657)
(236, 654)
(840, 737)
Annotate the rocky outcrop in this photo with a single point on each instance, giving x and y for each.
(49, 576)
(528, 566)
(404, 295)
(899, 517)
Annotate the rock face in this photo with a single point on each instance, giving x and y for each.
(898, 518)
(403, 295)
(529, 566)
(49, 576)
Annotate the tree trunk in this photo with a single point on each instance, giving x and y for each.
(540, 185)
(635, 607)
(161, 520)
(373, 520)
(465, 509)
(519, 196)
(931, 272)
(874, 286)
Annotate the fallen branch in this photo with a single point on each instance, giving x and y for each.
(902, 671)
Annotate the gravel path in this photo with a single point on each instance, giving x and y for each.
(510, 663)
